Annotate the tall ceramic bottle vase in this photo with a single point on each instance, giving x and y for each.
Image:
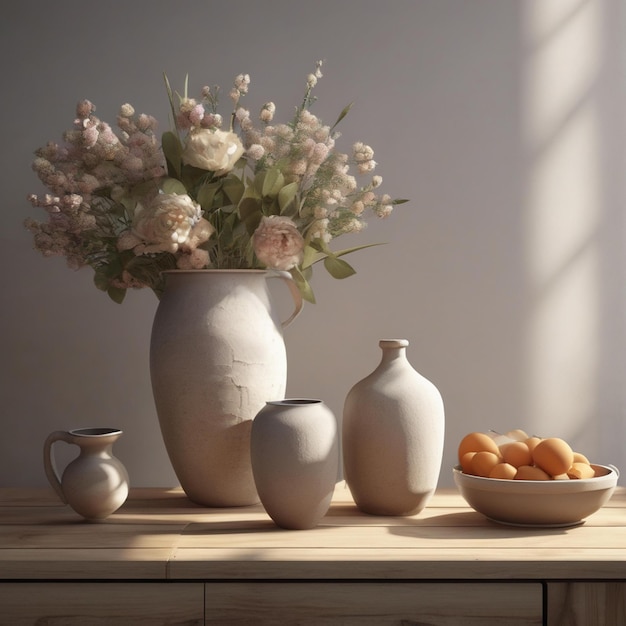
(393, 433)
(95, 483)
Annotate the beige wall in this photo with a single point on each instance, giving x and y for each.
(501, 120)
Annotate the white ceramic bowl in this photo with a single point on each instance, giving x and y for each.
(538, 502)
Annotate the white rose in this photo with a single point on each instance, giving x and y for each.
(213, 150)
(278, 243)
(169, 222)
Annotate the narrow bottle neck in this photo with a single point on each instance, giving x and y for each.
(393, 354)
(393, 350)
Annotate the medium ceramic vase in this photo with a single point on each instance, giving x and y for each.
(95, 483)
(393, 432)
(295, 460)
(217, 354)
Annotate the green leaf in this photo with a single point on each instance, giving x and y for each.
(287, 197)
(101, 280)
(303, 285)
(170, 96)
(173, 186)
(338, 268)
(249, 206)
(311, 256)
(205, 196)
(173, 151)
(400, 201)
(343, 113)
(259, 180)
(117, 294)
(273, 183)
(355, 249)
(317, 250)
(234, 189)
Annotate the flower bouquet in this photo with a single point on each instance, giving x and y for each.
(257, 195)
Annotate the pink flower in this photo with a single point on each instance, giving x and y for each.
(277, 243)
(166, 224)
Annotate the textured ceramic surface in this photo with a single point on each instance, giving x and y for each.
(295, 460)
(95, 483)
(393, 433)
(217, 355)
(537, 502)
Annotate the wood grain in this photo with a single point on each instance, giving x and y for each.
(447, 565)
(88, 604)
(374, 604)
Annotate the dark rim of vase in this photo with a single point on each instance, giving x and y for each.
(95, 432)
(294, 402)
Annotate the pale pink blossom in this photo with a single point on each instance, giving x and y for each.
(267, 112)
(127, 110)
(195, 259)
(242, 83)
(278, 243)
(166, 223)
(84, 108)
(196, 115)
(255, 152)
(319, 230)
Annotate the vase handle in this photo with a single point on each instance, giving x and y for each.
(49, 462)
(295, 294)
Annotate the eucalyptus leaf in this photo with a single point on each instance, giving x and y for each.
(338, 268)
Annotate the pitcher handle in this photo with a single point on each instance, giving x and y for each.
(295, 294)
(49, 461)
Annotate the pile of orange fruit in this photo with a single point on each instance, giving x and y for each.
(517, 456)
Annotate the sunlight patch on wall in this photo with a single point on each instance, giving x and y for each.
(561, 131)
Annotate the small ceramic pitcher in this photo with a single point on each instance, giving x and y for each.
(94, 484)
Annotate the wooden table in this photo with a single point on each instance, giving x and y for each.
(162, 560)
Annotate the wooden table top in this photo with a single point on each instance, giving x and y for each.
(159, 534)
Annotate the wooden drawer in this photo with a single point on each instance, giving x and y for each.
(583, 603)
(102, 604)
(287, 603)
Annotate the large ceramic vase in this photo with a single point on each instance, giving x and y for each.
(217, 355)
(393, 433)
(295, 460)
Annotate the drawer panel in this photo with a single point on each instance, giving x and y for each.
(374, 603)
(101, 604)
(582, 603)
